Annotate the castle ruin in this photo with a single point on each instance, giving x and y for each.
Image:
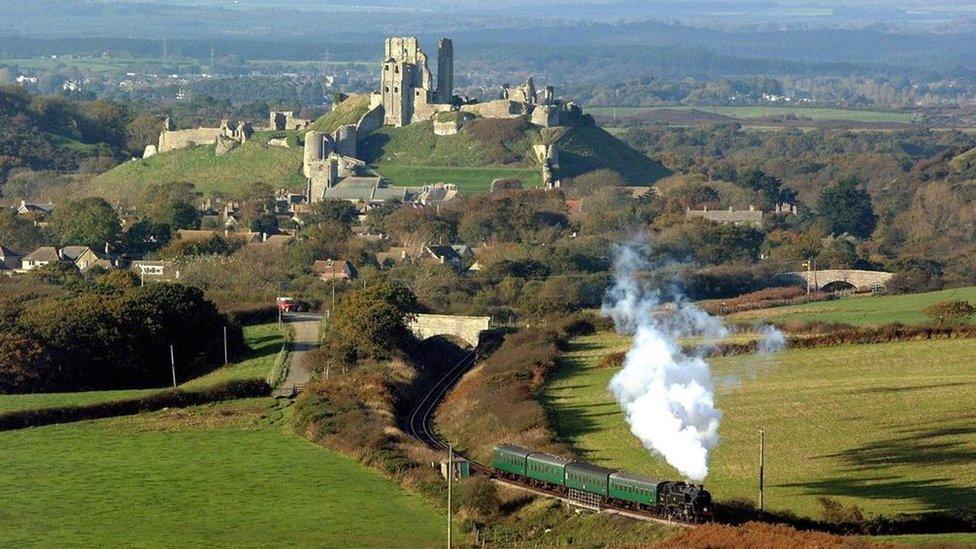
(407, 90)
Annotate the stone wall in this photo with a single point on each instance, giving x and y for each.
(465, 328)
(182, 139)
(499, 108)
(860, 279)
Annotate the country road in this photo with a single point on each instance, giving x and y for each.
(306, 327)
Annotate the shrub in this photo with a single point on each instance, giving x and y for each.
(950, 311)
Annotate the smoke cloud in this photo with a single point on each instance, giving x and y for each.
(667, 395)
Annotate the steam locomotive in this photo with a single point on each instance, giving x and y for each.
(676, 500)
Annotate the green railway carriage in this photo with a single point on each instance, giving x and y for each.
(546, 468)
(636, 489)
(510, 459)
(586, 477)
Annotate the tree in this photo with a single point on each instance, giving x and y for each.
(22, 364)
(373, 320)
(950, 311)
(88, 222)
(172, 205)
(847, 209)
(341, 211)
(143, 130)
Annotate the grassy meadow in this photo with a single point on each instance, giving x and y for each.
(263, 340)
(858, 310)
(252, 162)
(876, 425)
(224, 475)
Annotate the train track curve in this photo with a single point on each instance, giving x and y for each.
(420, 427)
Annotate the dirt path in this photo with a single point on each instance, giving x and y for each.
(306, 339)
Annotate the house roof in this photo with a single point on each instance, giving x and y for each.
(328, 266)
(44, 253)
(360, 182)
(727, 216)
(448, 253)
(72, 253)
(6, 252)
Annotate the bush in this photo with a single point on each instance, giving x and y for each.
(950, 311)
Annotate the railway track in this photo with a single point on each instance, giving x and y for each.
(420, 427)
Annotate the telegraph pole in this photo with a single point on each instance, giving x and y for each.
(172, 364)
(762, 459)
(226, 362)
(450, 477)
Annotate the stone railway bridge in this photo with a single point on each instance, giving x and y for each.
(466, 328)
(858, 279)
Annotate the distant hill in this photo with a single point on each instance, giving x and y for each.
(253, 161)
(55, 133)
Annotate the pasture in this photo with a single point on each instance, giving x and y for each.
(223, 475)
(858, 310)
(264, 342)
(879, 426)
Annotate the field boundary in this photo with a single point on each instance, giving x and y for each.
(282, 362)
(166, 398)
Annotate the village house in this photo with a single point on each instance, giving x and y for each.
(155, 271)
(34, 209)
(334, 269)
(9, 260)
(40, 257)
(85, 258)
(752, 216)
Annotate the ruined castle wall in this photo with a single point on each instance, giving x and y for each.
(370, 122)
(546, 116)
(345, 140)
(499, 108)
(180, 139)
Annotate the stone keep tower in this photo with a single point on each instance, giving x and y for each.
(445, 71)
(407, 85)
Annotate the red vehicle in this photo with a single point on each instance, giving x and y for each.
(288, 305)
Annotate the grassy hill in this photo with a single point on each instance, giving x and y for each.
(591, 148)
(486, 149)
(253, 161)
(225, 475)
(876, 425)
(348, 112)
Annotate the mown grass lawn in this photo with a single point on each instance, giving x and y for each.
(890, 427)
(930, 540)
(223, 475)
(859, 311)
(470, 180)
(264, 340)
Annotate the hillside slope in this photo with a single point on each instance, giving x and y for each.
(498, 148)
(348, 112)
(253, 161)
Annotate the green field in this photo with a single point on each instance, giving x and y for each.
(876, 425)
(749, 112)
(930, 540)
(252, 162)
(858, 310)
(224, 475)
(264, 340)
(470, 181)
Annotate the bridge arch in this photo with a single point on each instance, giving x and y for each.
(826, 279)
(465, 328)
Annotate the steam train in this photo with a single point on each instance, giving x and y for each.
(675, 500)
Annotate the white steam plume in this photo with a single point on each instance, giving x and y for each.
(667, 396)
